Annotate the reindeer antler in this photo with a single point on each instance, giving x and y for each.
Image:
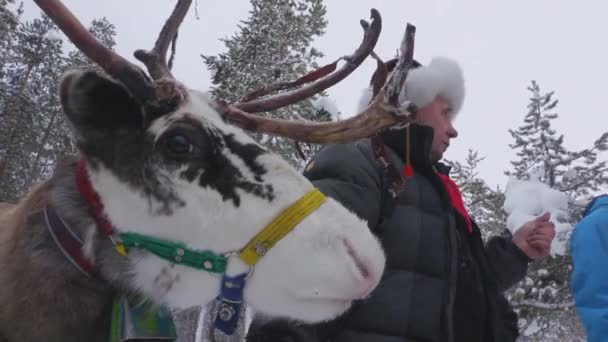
(156, 60)
(163, 92)
(382, 112)
(352, 62)
(115, 65)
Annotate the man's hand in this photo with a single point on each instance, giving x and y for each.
(534, 238)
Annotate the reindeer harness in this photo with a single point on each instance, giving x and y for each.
(227, 312)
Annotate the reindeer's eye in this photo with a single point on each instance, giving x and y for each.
(178, 145)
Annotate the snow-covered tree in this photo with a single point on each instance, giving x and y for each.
(273, 45)
(548, 167)
(105, 32)
(485, 205)
(33, 133)
(9, 20)
(542, 155)
(33, 57)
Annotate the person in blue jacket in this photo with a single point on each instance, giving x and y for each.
(589, 247)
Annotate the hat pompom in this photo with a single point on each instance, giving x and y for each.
(442, 77)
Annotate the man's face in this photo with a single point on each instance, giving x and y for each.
(438, 115)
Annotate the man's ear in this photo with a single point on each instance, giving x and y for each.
(95, 103)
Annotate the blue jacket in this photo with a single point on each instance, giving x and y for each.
(589, 247)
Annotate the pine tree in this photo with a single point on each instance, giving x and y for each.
(9, 20)
(272, 45)
(34, 55)
(483, 203)
(542, 153)
(543, 300)
(33, 133)
(105, 32)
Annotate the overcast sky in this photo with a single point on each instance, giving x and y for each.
(501, 46)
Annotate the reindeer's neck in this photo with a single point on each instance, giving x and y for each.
(44, 297)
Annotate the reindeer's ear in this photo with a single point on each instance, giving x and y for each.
(95, 103)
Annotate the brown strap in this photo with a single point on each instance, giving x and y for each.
(68, 242)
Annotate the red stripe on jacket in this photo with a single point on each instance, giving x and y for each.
(456, 199)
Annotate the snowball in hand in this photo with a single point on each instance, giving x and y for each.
(526, 200)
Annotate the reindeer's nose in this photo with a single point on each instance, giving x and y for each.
(366, 275)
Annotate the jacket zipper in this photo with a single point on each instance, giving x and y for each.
(452, 277)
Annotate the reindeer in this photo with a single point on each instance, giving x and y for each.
(167, 196)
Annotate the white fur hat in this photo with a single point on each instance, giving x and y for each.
(442, 77)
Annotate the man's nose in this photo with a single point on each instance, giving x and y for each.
(452, 132)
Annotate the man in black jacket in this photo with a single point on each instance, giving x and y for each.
(441, 283)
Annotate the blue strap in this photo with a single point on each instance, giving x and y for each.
(231, 301)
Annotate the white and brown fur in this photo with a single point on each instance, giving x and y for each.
(214, 195)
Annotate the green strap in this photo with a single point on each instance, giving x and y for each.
(116, 319)
(176, 252)
(208, 261)
(136, 322)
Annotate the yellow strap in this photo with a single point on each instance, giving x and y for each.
(281, 226)
(121, 249)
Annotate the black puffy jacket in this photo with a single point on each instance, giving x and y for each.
(440, 283)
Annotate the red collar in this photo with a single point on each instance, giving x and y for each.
(92, 198)
(66, 239)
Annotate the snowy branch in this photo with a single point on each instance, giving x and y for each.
(573, 157)
(582, 181)
(546, 306)
(299, 150)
